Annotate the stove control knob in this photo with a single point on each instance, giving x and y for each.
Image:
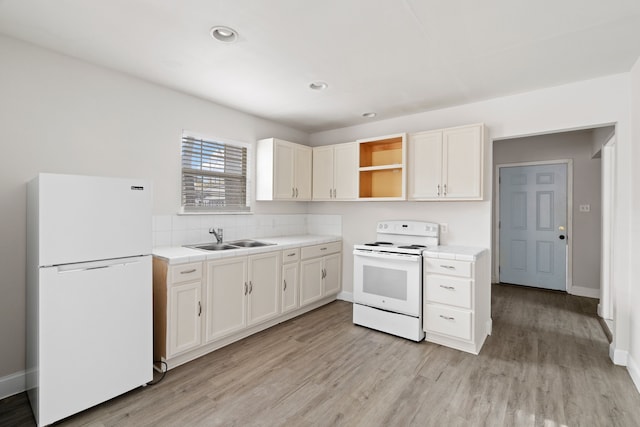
(385, 226)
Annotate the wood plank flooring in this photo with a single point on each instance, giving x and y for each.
(546, 364)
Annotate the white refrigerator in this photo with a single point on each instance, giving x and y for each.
(89, 291)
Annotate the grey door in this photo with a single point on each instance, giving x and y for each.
(533, 222)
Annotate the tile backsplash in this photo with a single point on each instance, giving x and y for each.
(177, 230)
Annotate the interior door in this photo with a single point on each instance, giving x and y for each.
(533, 223)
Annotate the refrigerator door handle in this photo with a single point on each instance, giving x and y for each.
(95, 265)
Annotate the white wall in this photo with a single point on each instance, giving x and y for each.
(634, 284)
(585, 235)
(580, 105)
(600, 137)
(58, 114)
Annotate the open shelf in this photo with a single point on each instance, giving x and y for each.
(381, 183)
(382, 168)
(381, 152)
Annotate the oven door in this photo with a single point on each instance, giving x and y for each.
(388, 281)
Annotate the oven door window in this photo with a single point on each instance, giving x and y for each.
(385, 282)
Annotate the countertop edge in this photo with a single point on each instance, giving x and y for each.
(182, 255)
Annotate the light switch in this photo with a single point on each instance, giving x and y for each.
(585, 208)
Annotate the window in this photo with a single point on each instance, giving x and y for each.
(214, 175)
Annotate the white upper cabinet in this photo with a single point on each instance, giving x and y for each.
(335, 172)
(447, 164)
(283, 170)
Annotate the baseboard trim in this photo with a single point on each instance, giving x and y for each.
(583, 291)
(13, 384)
(634, 372)
(345, 296)
(618, 357)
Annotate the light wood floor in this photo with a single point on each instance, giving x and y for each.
(546, 364)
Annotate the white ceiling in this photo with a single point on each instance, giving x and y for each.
(394, 57)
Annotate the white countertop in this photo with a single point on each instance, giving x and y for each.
(181, 255)
(461, 253)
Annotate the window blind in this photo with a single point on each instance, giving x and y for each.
(214, 176)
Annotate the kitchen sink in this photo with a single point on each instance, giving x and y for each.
(231, 245)
(249, 243)
(213, 247)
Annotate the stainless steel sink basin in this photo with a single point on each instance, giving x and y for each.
(213, 247)
(230, 245)
(249, 243)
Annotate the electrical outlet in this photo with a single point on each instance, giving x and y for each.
(585, 208)
(444, 228)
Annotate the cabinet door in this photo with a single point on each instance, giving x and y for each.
(332, 274)
(283, 172)
(290, 287)
(226, 297)
(302, 168)
(310, 280)
(345, 171)
(323, 173)
(264, 287)
(425, 165)
(184, 317)
(462, 163)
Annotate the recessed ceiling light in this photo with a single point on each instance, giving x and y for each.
(224, 34)
(318, 85)
(369, 115)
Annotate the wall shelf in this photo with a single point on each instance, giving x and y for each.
(382, 171)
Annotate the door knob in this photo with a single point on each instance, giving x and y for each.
(561, 237)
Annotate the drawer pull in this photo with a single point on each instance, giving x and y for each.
(448, 267)
(323, 249)
(245, 288)
(451, 288)
(193, 270)
(292, 254)
(447, 317)
(199, 308)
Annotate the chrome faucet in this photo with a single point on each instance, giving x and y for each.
(218, 234)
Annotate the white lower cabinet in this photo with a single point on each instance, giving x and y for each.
(185, 323)
(241, 292)
(177, 308)
(457, 301)
(226, 289)
(202, 306)
(320, 271)
(290, 279)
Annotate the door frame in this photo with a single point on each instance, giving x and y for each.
(496, 219)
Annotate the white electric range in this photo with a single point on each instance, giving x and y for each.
(387, 277)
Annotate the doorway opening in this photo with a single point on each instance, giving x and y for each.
(579, 150)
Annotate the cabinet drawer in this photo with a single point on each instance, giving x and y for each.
(448, 290)
(290, 255)
(447, 266)
(448, 321)
(321, 250)
(185, 272)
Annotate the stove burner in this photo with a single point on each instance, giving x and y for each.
(412, 247)
(379, 244)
